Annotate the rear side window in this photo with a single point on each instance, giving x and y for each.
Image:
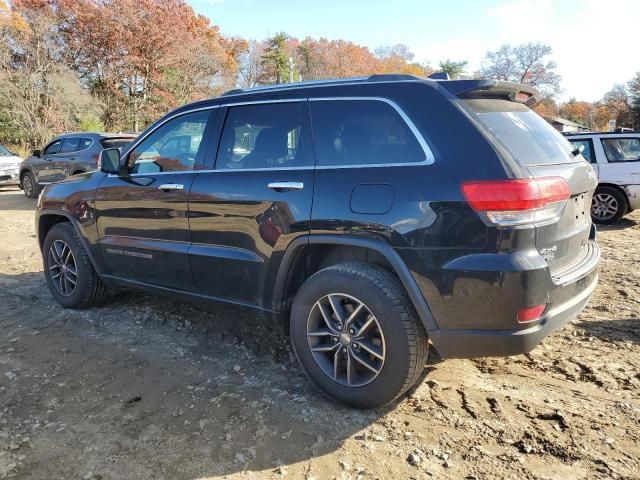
(115, 142)
(262, 136)
(621, 149)
(529, 138)
(587, 153)
(362, 132)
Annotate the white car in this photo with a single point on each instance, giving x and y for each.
(616, 159)
(9, 167)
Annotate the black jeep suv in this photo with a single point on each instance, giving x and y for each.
(371, 216)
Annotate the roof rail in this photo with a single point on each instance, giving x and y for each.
(383, 77)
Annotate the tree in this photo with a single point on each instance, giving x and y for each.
(275, 60)
(453, 68)
(250, 64)
(527, 63)
(39, 95)
(634, 98)
(577, 111)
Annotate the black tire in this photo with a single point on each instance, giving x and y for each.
(29, 185)
(404, 338)
(88, 290)
(608, 206)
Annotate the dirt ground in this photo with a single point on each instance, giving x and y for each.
(146, 387)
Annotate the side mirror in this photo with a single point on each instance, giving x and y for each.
(37, 153)
(109, 161)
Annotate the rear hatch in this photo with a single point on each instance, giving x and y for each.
(541, 152)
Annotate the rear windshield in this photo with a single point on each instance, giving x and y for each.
(115, 142)
(529, 138)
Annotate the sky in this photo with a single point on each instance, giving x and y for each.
(594, 42)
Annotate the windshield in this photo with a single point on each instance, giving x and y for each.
(529, 138)
(4, 152)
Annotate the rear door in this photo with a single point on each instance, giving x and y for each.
(542, 151)
(254, 202)
(142, 220)
(622, 157)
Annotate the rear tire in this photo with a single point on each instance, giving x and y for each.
(29, 185)
(608, 206)
(394, 344)
(68, 270)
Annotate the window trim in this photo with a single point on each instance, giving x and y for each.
(606, 157)
(429, 157)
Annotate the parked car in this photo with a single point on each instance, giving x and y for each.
(369, 217)
(616, 159)
(9, 167)
(66, 155)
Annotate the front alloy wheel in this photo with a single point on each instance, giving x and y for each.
(346, 340)
(62, 268)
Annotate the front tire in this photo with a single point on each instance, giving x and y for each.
(68, 270)
(357, 336)
(608, 206)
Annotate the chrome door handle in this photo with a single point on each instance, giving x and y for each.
(171, 186)
(285, 186)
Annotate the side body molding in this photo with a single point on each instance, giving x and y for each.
(407, 280)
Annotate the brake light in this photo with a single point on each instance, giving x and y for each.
(518, 202)
(531, 314)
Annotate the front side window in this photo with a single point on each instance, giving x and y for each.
(172, 147)
(587, 153)
(621, 149)
(362, 132)
(53, 148)
(262, 136)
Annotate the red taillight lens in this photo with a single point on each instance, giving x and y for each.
(531, 314)
(515, 195)
(518, 202)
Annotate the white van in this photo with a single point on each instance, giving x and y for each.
(616, 159)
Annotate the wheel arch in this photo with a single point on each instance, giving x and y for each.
(296, 267)
(47, 219)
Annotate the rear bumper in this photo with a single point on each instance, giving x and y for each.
(491, 343)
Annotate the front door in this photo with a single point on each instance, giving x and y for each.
(142, 220)
(245, 213)
(47, 170)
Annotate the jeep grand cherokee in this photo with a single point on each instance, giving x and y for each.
(373, 217)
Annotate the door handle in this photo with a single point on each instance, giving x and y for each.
(285, 186)
(171, 186)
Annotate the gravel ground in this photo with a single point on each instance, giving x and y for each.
(146, 387)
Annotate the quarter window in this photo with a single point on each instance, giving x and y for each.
(622, 149)
(262, 136)
(172, 147)
(587, 153)
(362, 132)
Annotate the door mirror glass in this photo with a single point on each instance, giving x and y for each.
(37, 153)
(109, 161)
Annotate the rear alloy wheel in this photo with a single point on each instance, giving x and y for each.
(608, 205)
(357, 336)
(346, 340)
(29, 185)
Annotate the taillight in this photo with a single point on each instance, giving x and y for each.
(518, 202)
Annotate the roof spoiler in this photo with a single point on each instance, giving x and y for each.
(515, 92)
